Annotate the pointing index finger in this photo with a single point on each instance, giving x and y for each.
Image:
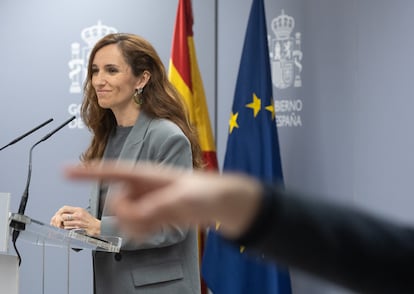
(122, 171)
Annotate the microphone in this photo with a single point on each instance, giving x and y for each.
(27, 134)
(19, 226)
(25, 196)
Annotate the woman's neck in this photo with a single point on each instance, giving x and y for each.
(126, 118)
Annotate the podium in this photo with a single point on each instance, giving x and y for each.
(40, 234)
(9, 269)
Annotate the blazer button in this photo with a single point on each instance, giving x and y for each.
(118, 256)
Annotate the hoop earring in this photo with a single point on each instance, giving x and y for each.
(137, 96)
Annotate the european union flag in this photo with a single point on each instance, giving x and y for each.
(252, 148)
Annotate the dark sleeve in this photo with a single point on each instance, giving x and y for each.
(341, 244)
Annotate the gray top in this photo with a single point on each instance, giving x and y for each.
(113, 149)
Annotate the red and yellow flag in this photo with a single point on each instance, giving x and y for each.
(184, 74)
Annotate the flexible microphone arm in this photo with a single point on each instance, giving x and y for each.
(27, 134)
(19, 226)
(25, 195)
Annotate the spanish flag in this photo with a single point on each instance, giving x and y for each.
(184, 74)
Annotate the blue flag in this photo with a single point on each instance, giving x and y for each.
(252, 148)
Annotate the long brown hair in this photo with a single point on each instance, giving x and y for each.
(160, 98)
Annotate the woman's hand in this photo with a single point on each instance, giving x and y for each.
(69, 217)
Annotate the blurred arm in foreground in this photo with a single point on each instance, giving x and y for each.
(342, 244)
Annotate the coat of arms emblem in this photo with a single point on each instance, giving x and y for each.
(80, 55)
(285, 53)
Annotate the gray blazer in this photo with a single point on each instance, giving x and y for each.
(167, 262)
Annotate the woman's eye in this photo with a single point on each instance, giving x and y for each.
(112, 70)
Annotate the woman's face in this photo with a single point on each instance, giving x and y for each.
(113, 80)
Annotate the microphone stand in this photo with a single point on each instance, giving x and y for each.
(21, 225)
(18, 226)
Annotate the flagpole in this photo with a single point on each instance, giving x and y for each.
(215, 70)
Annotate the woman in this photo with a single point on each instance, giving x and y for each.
(134, 113)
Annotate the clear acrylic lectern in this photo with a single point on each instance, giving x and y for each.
(45, 235)
(42, 234)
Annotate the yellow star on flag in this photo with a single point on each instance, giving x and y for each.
(233, 121)
(271, 108)
(218, 225)
(255, 105)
